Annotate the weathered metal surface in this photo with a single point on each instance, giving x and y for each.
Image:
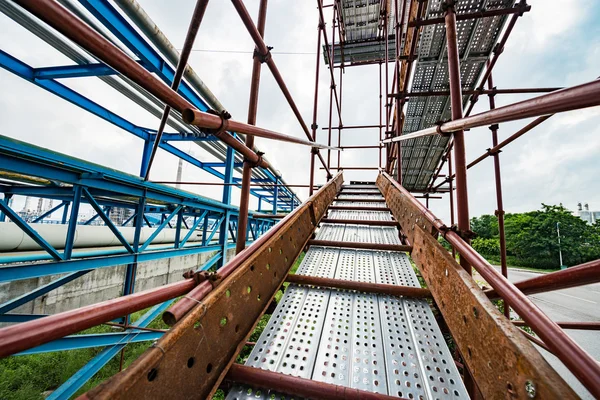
(392, 290)
(192, 359)
(297, 386)
(359, 245)
(360, 222)
(509, 367)
(379, 343)
(379, 215)
(583, 274)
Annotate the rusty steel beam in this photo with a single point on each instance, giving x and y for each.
(26, 335)
(518, 9)
(240, 243)
(381, 288)
(436, 265)
(583, 274)
(195, 22)
(584, 326)
(358, 222)
(301, 387)
(208, 339)
(359, 245)
(573, 98)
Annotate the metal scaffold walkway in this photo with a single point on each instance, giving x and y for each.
(375, 342)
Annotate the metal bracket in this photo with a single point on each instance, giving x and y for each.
(263, 58)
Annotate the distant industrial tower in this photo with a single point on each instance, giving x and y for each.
(585, 214)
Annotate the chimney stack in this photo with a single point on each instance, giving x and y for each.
(579, 208)
(587, 207)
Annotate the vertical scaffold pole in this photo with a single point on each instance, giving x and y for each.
(314, 127)
(252, 110)
(499, 202)
(460, 163)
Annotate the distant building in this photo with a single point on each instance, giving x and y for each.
(118, 215)
(585, 214)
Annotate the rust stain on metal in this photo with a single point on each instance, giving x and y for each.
(193, 357)
(501, 360)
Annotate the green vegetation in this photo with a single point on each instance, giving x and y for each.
(531, 238)
(28, 377)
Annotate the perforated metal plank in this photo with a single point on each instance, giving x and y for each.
(359, 197)
(361, 215)
(476, 39)
(347, 203)
(359, 233)
(320, 262)
(289, 342)
(331, 232)
(380, 343)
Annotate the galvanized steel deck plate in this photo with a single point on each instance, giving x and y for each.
(379, 343)
(359, 233)
(476, 40)
(360, 215)
(346, 203)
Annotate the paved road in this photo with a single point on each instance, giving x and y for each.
(576, 304)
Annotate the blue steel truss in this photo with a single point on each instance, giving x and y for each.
(28, 170)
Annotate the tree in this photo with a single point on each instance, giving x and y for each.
(485, 226)
(531, 237)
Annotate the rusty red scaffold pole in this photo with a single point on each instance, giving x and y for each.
(583, 366)
(197, 17)
(320, 29)
(499, 202)
(252, 111)
(462, 199)
(265, 53)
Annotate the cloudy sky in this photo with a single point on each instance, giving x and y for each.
(556, 44)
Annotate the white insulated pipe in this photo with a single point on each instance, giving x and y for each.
(12, 238)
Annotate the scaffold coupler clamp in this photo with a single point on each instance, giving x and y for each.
(225, 117)
(497, 213)
(212, 277)
(259, 160)
(448, 4)
(438, 129)
(314, 150)
(465, 235)
(263, 58)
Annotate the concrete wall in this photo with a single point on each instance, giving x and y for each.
(101, 284)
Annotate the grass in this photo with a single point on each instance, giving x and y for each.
(28, 377)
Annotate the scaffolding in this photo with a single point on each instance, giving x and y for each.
(356, 320)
